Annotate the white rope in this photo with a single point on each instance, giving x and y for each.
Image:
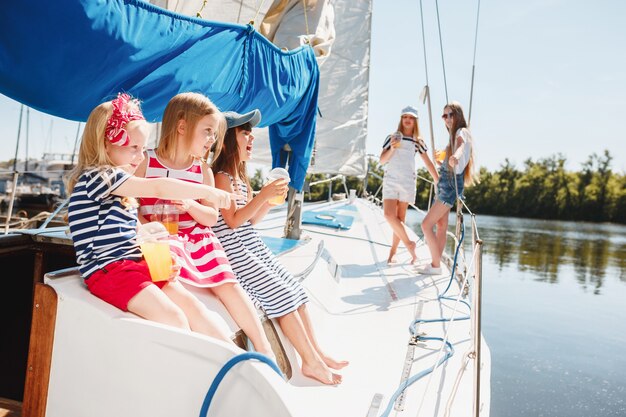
(306, 20)
(257, 13)
(455, 387)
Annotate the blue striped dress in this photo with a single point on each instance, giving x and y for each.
(267, 282)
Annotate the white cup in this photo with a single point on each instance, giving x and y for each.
(397, 137)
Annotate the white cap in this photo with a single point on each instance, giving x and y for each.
(409, 110)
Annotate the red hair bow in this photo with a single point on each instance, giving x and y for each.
(115, 130)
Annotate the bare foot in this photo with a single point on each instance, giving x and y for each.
(322, 373)
(392, 260)
(411, 248)
(334, 364)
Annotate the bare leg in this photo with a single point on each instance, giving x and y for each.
(243, 312)
(395, 242)
(152, 304)
(198, 314)
(312, 364)
(434, 215)
(442, 228)
(308, 326)
(390, 208)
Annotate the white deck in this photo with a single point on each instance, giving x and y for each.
(361, 313)
(363, 316)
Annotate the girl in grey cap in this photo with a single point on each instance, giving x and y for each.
(267, 282)
(398, 156)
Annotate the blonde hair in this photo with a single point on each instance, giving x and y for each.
(190, 107)
(458, 122)
(92, 152)
(416, 129)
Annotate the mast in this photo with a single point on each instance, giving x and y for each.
(75, 143)
(27, 131)
(17, 143)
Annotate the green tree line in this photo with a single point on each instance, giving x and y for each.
(541, 189)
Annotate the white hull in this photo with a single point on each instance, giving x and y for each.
(106, 362)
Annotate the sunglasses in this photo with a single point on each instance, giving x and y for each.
(446, 115)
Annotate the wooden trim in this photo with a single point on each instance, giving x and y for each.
(40, 351)
(241, 340)
(281, 356)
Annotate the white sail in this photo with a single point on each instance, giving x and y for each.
(339, 32)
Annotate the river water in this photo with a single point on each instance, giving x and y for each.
(554, 316)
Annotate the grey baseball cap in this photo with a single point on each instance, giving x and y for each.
(234, 119)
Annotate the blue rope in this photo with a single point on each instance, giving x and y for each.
(418, 376)
(412, 326)
(456, 255)
(227, 366)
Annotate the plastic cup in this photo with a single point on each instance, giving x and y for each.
(396, 139)
(166, 213)
(152, 239)
(277, 174)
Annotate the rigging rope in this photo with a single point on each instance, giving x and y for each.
(443, 64)
(469, 117)
(427, 93)
(257, 13)
(239, 13)
(306, 21)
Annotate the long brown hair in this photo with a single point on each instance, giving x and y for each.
(228, 159)
(190, 107)
(458, 122)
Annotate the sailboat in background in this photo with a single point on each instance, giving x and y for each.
(311, 85)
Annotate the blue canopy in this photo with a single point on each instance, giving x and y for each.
(64, 57)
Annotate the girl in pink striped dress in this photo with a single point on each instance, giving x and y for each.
(190, 125)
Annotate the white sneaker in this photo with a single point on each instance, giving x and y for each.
(428, 270)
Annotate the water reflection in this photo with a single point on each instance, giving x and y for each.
(594, 252)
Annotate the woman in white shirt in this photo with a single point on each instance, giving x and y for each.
(456, 172)
(398, 156)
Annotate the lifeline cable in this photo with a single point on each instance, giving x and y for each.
(227, 366)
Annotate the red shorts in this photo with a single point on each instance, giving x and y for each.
(120, 281)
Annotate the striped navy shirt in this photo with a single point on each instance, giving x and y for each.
(103, 230)
(420, 145)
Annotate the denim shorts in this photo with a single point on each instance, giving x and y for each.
(446, 193)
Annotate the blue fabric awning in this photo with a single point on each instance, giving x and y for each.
(64, 57)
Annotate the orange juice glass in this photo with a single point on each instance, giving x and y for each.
(166, 212)
(170, 221)
(440, 155)
(152, 238)
(157, 255)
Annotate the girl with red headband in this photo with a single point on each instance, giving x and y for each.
(102, 217)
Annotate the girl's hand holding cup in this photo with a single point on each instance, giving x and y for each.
(275, 190)
(396, 140)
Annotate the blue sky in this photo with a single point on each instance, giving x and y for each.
(550, 75)
(550, 78)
